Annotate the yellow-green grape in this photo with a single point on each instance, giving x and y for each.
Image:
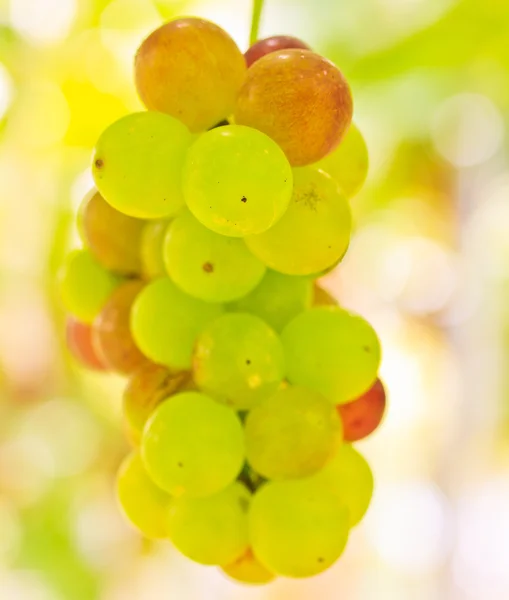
(248, 570)
(237, 181)
(297, 528)
(112, 237)
(137, 164)
(165, 322)
(349, 477)
(292, 434)
(277, 299)
(238, 360)
(209, 266)
(151, 249)
(143, 503)
(192, 445)
(211, 530)
(313, 234)
(333, 352)
(147, 387)
(84, 285)
(191, 69)
(348, 163)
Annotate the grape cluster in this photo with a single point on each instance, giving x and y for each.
(214, 213)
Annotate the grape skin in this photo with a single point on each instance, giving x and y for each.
(111, 333)
(151, 249)
(299, 99)
(291, 434)
(192, 445)
(190, 69)
(362, 416)
(142, 502)
(248, 570)
(272, 44)
(79, 342)
(211, 530)
(112, 237)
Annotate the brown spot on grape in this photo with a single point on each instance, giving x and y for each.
(244, 504)
(248, 362)
(243, 199)
(320, 559)
(366, 349)
(180, 465)
(208, 267)
(99, 163)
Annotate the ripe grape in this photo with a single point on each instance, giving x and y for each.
(298, 98)
(321, 297)
(151, 249)
(236, 181)
(111, 333)
(112, 237)
(292, 434)
(84, 285)
(148, 386)
(333, 352)
(314, 232)
(143, 503)
(277, 299)
(165, 322)
(192, 445)
(211, 530)
(362, 416)
(272, 44)
(238, 360)
(348, 163)
(137, 164)
(349, 477)
(192, 70)
(247, 569)
(297, 528)
(209, 266)
(79, 341)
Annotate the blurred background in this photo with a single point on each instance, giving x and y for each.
(428, 265)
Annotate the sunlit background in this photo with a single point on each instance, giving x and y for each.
(428, 265)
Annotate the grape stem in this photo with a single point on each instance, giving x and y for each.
(255, 21)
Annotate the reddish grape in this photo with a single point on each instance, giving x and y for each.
(272, 44)
(146, 389)
(362, 416)
(79, 341)
(298, 98)
(192, 70)
(111, 331)
(112, 237)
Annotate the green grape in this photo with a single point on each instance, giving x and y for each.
(143, 503)
(348, 163)
(237, 181)
(248, 570)
(84, 285)
(333, 352)
(111, 333)
(211, 530)
(209, 266)
(314, 232)
(191, 69)
(292, 434)
(151, 249)
(297, 528)
(145, 390)
(298, 98)
(112, 237)
(349, 477)
(137, 164)
(192, 445)
(165, 323)
(277, 299)
(238, 360)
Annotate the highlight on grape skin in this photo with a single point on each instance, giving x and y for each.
(216, 212)
(300, 99)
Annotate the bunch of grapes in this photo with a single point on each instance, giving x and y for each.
(214, 213)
